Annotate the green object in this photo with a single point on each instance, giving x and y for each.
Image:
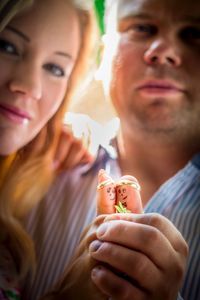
(121, 209)
(12, 295)
(99, 9)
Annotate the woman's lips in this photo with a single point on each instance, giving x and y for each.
(14, 114)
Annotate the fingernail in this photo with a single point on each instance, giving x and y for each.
(96, 271)
(94, 246)
(102, 229)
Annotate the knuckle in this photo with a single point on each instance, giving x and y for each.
(141, 264)
(112, 230)
(180, 269)
(77, 144)
(99, 219)
(181, 245)
(117, 228)
(155, 220)
(153, 236)
(184, 248)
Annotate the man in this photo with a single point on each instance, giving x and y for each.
(155, 89)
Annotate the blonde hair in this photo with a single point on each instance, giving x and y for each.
(26, 176)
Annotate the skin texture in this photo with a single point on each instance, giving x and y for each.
(35, 69)
(106, 194)
(159, 127)
(112, 193)
(159, 46)
(143, 256)
(122, 267)
(129, 196)
(70, 151)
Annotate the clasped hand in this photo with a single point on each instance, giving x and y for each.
(126, 256)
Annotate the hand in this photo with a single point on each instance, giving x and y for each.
(76, 282)
(140, 257)
(70, 151)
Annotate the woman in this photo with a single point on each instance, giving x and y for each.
(43, 52)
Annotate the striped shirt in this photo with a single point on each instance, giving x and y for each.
(57, 222)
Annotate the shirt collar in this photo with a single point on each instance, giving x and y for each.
(104, 153)
(196, 160)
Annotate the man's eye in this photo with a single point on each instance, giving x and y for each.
(142, 29)
(191, 34)
(55, 70)
(7, 47)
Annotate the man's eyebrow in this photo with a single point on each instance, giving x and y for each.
(18, 32)
(136, 16)
(64, 54)
(193, 19)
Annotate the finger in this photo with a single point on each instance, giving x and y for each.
(87, 157)
(158, 222)
(114, 286)
(64, 144)
(128, 194)
(132, 265)
(136, 237)
(77, 154)
(106, 198)
(71, 151)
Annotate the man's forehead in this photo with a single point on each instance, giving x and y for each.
(178, 7)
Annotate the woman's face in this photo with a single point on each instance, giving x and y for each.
(38, 50)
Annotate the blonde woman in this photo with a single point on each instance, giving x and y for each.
(43, 50)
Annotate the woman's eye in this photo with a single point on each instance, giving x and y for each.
(8, 47)
(55, 70)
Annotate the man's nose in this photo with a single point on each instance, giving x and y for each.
(26, 80)
(162, 52)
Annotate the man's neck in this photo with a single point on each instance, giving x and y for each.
(151, 161)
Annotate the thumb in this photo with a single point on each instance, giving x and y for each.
(106, 198)
(128, 194)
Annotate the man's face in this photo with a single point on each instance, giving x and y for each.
(155, 83)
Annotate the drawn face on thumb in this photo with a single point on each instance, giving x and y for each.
(106, 199)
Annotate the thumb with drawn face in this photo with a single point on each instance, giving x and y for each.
(128, 196)
(122, 196)
(106, 198)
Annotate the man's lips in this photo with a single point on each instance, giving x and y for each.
(14, 113)
(160, 86)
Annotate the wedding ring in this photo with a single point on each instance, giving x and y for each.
(135, 185)
(104, 183)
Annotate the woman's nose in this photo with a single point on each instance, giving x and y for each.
(26, 80)
(161, 52)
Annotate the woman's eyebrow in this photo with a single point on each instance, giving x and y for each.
(18, 32)
(27, 39)
(64, 54)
